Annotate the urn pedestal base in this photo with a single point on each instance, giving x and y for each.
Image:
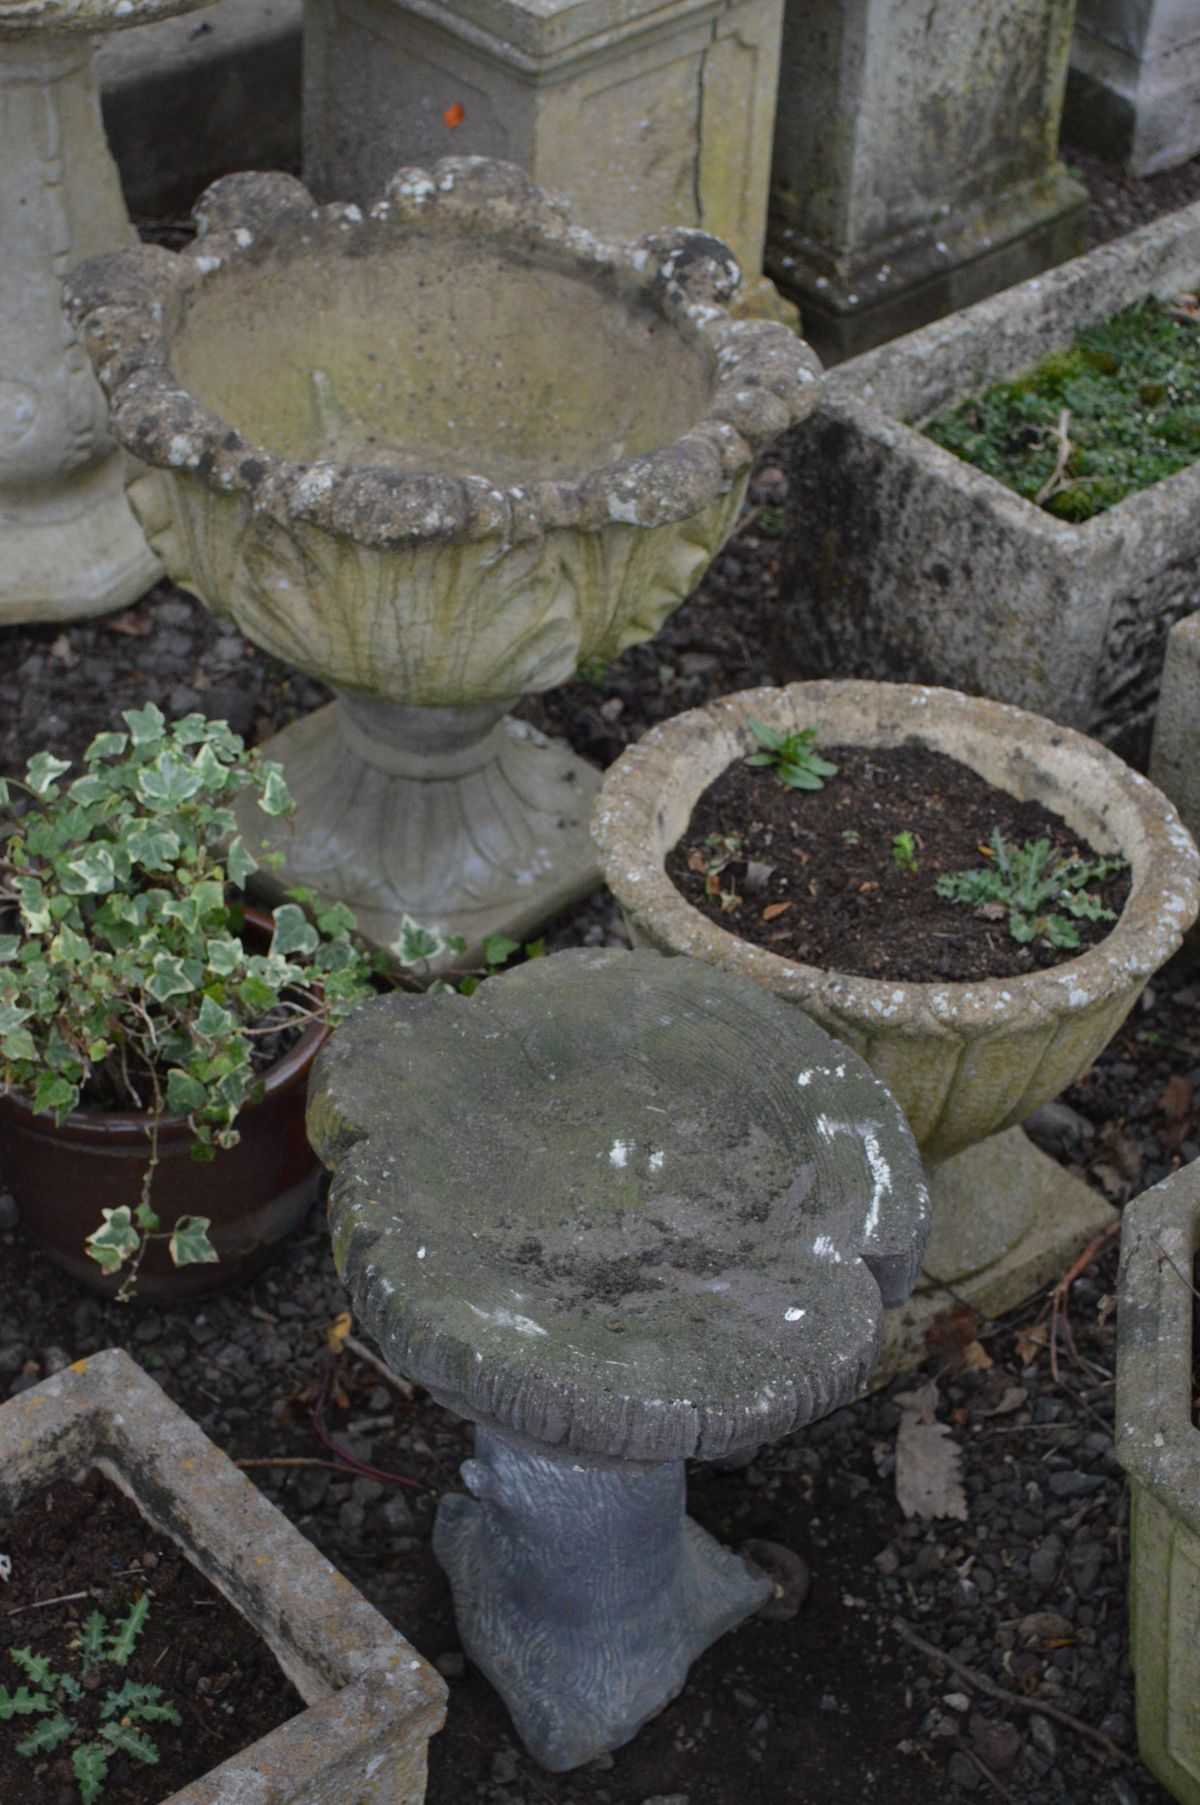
(1007, 1220)
(465, 819)
(584, 1592)
(77, 550)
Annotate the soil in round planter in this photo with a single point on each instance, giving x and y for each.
(815, 878)
(88, 1547)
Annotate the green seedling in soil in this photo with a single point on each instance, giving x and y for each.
(593, 672)
(1036, 890)
(121, 1710)
(1088, 426)
(770, 522)
(791, 756)
(904, 851)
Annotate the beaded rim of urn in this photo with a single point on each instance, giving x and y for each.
(764, 377)
(632, 824)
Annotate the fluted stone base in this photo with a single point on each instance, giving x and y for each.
(465, 819)
(584, 1592)
(1007, 1221)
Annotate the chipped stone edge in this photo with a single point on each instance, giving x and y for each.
(370, 1695)
(633, 835)
(19, 18)
(122, 303)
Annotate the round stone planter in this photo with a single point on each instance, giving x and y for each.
(254, 1194)
(435, 455)
(965, 1061)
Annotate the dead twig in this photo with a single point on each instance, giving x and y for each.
(361, 1352)
(293, 1460)
(1058, 477)
(982, 1683)
(1060, 1298)
(993, 1779)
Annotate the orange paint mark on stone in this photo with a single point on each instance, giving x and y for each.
(455, 115)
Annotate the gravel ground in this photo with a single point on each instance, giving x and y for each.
(836, 1705)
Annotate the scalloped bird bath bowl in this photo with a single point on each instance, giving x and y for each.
(435, 455)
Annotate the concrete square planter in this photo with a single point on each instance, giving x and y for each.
(902, 561)
(1158, 1444)
(373, 1703)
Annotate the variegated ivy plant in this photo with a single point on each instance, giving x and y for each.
(124, 981)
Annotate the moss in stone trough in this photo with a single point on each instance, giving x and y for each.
(1090, 425)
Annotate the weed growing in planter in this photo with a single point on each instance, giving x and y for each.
(125, 983)
(1117, 412)
(791, 756)
(904, 851)
(1029, 885)
(122, 1711)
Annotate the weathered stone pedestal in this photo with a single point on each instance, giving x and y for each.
(1175, 747)
(584, 1592)
(1133, 91)
(646, 115)
(619, 1211)
(915, 164)
(69, 542)
(465, 819)
(435, 456)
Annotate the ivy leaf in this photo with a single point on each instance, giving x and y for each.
(53, 1092)
(225, 955)
(238, 862)
(416, 944)
(18, 1044)
(10, 946)
(184, 1093)
(94, 870)
(293, 932)
(145, 724)
(42, 770)
(115, 1241)
(189, 1244)
(168, 978)
(106, 745)
(498, 949)
(275, 798)
(154, 848)
(169, 780)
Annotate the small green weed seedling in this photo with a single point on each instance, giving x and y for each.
(1033, 887)
(904, 851)
(122, 1709)
(498, 949)
(791, 756)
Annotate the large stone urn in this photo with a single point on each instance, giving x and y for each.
(71, 543)
(967, 1062)
(435, 455)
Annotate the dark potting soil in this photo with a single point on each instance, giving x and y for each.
(815, 879)
(87, 1547)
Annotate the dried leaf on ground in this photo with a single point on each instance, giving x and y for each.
(952, 1332)
(928, 1460)
(1031, 1342)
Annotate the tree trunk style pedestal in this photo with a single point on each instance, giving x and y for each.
(435, 456)
(619, 1211)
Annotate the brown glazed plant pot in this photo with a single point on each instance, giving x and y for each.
(254, 1194)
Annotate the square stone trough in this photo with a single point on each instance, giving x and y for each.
(903, 562)
(1158, 1444)
(373, 1703)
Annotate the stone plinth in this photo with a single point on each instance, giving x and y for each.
(902, 560)
(436, 455)
(371, 1702)
(1158, 1444)
(619, 1211)
(1133, 91)
(915, 161)
(1175, 750)
(646, 115)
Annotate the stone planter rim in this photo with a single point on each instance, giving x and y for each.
(1164, 897)
(764, 377)
(355, 1672)
(1156, 1440)
(18, 18)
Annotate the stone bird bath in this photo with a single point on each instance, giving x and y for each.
(71, 542)
(435, 455)
(620, 1211)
